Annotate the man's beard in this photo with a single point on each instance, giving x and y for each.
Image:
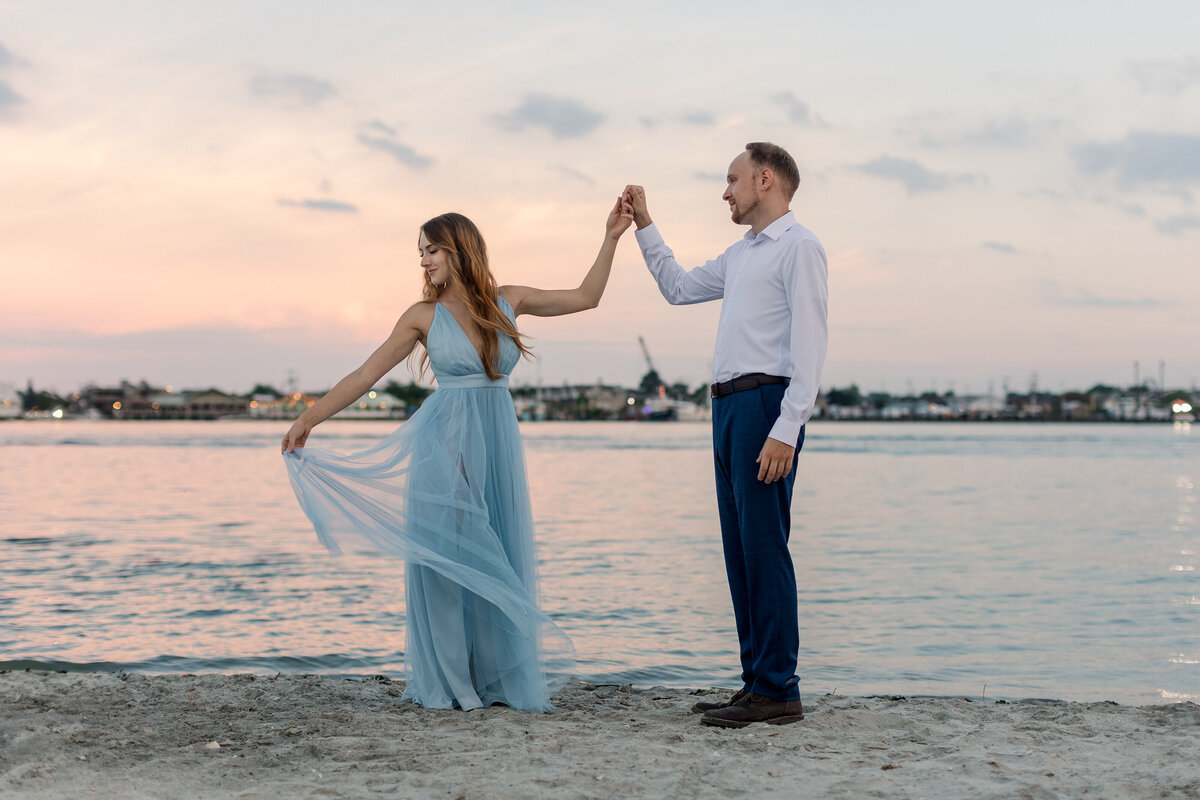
(741, 213)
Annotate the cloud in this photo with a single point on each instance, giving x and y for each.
(1000, 132)
(1056, 294)
(798, 111)
(382, 127)
(1166, 77)
(1168, 161)
(1173, 226)
(400, 152)
(562, 117)
(915, 177)
(1130, 209)
(1012, 132)
(1050, 194)
(320, 205)
(1000, 247)
(9, 97)
(699, 118)
(576, 174)
(297, 91)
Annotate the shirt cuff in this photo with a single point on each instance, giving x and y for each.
(786, 431)
(648, 236)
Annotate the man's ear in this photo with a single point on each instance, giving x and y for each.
(766, 178)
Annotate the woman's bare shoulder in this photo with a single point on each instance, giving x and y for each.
(419, 315)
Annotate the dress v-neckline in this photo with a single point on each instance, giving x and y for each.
(463, 331)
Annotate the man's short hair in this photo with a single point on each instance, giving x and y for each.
(776, 159)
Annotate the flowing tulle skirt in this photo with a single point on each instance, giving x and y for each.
(447, 493)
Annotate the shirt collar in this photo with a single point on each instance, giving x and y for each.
(775, 229)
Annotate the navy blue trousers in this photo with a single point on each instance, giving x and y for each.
(755, 525)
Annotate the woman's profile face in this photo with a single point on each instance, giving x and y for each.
(435, 261)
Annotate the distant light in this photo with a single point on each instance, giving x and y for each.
(629, 402)
(371, 395)
(169, 390)
(58, 413)
(117, 406)
(1180, 407)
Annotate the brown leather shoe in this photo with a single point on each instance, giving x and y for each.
(755, 708)
(702, 707)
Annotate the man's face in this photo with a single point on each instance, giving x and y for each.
(740, 190)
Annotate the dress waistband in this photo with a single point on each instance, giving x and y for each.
(471, 382)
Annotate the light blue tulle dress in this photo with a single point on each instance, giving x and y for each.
(447, 493)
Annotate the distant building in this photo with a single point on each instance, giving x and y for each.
(978, 407)
(141, 401)
(845, 412)
(214, 405)
(11, 406)
(286, 407)
(589, 401)
(374, 405)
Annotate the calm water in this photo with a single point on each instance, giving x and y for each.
(1036, 560)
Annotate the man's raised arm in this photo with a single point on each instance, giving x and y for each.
(678, 286)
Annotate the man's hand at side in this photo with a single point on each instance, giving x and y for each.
(775, 460)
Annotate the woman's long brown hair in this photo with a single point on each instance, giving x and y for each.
(467, 254)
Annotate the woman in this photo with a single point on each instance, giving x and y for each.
(447, 490)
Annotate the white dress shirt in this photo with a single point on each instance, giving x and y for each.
(775, 316)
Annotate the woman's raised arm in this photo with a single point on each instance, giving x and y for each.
(556, 302)
(410, 329)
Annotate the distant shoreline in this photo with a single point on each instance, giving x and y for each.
(839, 421)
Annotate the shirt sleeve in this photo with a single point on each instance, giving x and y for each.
(806, 276)
(680, 286)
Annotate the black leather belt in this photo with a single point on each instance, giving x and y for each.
(743, 382)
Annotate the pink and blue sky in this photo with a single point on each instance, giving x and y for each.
(216, 193)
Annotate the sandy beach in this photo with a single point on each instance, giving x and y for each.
(297, 736)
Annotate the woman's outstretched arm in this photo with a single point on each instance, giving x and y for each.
(555, 302)
(410, 329)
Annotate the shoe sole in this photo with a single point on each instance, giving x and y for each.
(785, 720)
(718, 722)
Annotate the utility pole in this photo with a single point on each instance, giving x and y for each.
(1137, 389)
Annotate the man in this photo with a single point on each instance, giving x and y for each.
(767, 363)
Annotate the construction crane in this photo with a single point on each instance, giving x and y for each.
(656, 379)
(646, 353)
